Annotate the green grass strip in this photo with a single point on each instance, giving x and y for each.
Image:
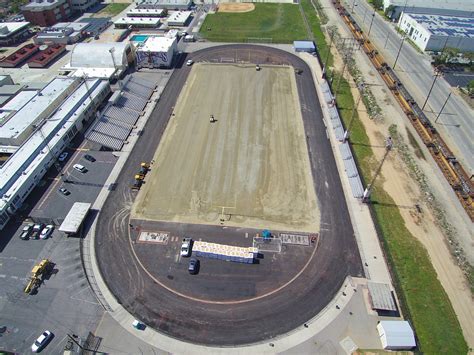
(280, 22)
(114, 9)
(424, 300)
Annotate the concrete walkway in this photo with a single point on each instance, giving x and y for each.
(303, 338)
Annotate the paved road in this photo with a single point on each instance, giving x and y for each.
(215, 324)
(456, 124)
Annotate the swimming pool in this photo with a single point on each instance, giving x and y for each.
(139, 38)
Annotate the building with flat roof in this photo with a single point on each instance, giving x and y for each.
(435, 32)
(47, 12)
(146, 13)
(433, 7)
(179, 18)
(62, 33)
(13, 32)
(137, 22)
(54, 123)
(19, 56)
(83, 5)
(156, 52)
(164, 4)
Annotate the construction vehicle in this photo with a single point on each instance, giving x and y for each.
(37, 272)
(144, 167)
(139, 177)
(137, 185)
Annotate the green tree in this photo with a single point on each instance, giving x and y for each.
(470, 87)
(378, 4)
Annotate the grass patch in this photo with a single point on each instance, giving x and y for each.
(418, 152)
(113, 9)
(423, 299)
(280, 22)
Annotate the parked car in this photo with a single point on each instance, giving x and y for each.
(26, 232)
(186, 247)
(42, 341)
(63, 156)
(64, 191)
(89, 157)
(193, 266)
(46, 232)
(80, 168)
(37, 228)
(189, 62)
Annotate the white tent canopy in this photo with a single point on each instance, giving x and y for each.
(99, 55)
(396, 335)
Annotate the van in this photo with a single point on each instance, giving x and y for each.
(80, 168)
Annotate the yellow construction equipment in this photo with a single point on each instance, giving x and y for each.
(139, 177)
(144, 167)
(38, 270)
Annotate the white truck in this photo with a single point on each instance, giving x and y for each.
(186, 247)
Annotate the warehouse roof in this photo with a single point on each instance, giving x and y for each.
(157, 44)
(98, 55)
(396, 334)
(304, 45)
(136, 21)
(179, 16)
(145, 12)
(381, 296)
(9, 28)
(445, 25)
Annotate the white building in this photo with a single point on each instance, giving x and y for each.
(56, 124)
(164, 4)
(62, 33)
(156, 52)
(435, 32)
(146, 13)
(434, 7)
(137, 22)
(396, 335)
(11, 32)
(179, 18)
(100, 60)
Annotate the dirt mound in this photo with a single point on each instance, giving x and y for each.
(235, 7)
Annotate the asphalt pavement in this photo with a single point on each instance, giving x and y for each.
(335, 258)
(456, 123)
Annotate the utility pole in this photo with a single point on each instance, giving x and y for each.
(73, 338)
(368, 190)
(399, 50)
(437, 74)
(442, 108)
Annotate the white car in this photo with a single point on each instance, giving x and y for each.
(80, 168)
(189, 62)
(186, 247)
(46, 232)
(63, 156)
(41, 342)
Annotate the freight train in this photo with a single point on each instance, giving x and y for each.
(449, 165)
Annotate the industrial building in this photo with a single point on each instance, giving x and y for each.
(13, 32)
(179, 18)
(19, 56)
(156, 52)
(38, 131)
(46, 56)
(164, 4)
(100, 60)
(435, 32)
(433, 7)
(62, 33)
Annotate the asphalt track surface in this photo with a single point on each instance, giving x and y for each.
(230, 323)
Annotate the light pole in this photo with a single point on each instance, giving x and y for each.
(371, 22)
(111, 51)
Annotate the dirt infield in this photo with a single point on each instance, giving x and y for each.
(236, 7)
(249, 168)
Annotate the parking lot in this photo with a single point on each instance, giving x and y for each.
(53, 205)
(63, 302)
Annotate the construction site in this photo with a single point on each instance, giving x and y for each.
(236, 159)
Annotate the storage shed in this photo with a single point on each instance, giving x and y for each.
(396, 335)
(304, 46)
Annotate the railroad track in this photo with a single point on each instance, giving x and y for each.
(447, 162)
